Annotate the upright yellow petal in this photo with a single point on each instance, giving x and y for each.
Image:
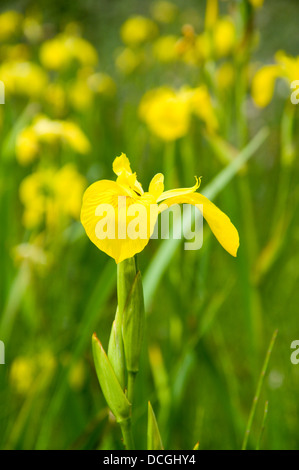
(156, 186)
(116, 223)
(121, 164)
(220, 224)
(122, 168)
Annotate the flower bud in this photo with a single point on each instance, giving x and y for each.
(111, 388)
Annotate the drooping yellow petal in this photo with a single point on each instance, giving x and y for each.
(179, 192)
(220, 224)
(116, 223)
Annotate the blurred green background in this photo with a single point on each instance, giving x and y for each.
(210, 317)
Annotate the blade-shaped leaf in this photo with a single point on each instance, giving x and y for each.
(154, 441)
(112, 391)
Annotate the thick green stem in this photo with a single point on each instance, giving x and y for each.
(126, 430)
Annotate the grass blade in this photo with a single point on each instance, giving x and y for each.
(258, 390)
(154, 441)
(263, 425)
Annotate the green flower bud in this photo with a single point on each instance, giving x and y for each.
(111, 388)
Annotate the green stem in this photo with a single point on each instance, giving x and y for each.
(126, 430)
(263, 426)
(131, 382)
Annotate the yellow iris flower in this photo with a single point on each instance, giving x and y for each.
(106, 193)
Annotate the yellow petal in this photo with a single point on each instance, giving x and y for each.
(156, 186)
(122, 168)
(121, 164)
(179, 192)
(220, 224)
(116, 223)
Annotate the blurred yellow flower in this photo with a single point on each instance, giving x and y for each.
(168, 112)
(58, 53)
(32, 253)
(22, 374)
(75, 137)
(201, 105)
(102, 84)
(23, 78)
(203, 47)
(217, 41)
(263, 85)
(27, 146)
(51, 196)
(15, 52)
(55, 97)
(128, 60)
(77, 375)
(10, 24)
(137, 30)
(46, 131)
(289, 66)
(211, 15)
(224, 36)
(107, 193)
(80, 94)
(26, 371)
(185, 46)
(165, 49)
(32, 28)
(263, 82)
(256, 3)
(82, 91)
(164, 11)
